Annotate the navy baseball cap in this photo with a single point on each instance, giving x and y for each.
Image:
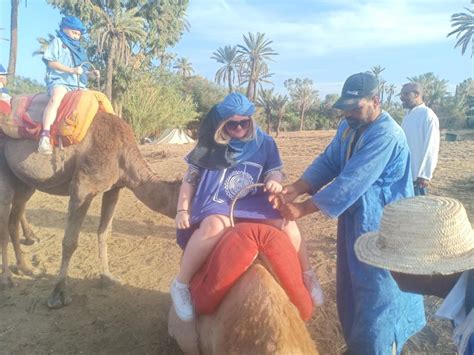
(356, 87)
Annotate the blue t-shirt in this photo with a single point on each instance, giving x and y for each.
(217, 188)
(58, 52)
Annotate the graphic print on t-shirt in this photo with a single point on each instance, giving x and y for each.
(235, 178)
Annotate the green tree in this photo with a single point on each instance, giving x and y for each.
(254, 54)
(265, 101)
(435, 89)
(183, 67)
(390, 91)
(279, 104)
(326, 109)
(303, 95)
(116, 31)
(463, 22)
(151, 105)
(377, 70)
(21, 85)
(44, 43)
(117, 26)
(205, 93)
(230, 60)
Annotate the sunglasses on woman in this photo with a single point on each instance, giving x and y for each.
(232, 125)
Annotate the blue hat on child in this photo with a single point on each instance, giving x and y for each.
(73, 23)
(235, 104)
(2, 70)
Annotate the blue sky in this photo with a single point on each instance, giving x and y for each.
(323, 40)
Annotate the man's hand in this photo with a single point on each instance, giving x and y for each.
(422, 182)
(96, 73)
(293, 211)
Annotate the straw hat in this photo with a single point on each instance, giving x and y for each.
(421, 235)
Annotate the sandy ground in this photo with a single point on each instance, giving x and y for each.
(132, 318)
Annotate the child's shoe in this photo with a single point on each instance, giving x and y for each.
(44, 146)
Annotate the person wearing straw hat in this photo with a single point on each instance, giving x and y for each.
(365, 167)
(427, 243)
(63, 58)
(421, 126)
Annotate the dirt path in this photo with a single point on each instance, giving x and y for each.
(132, 318)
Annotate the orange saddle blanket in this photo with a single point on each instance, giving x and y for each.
(75, 115)
(235, 253)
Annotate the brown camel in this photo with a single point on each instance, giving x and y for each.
(255, 317)
(106, 161)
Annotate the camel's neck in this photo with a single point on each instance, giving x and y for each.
(160, 196)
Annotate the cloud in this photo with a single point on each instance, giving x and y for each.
(317, 28)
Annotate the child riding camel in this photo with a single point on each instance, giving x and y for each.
(64, 72)
(231, 153)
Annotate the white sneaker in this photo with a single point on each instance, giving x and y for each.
(44, 146)
(182, 300)
(312, 284)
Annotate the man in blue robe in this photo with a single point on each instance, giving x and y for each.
(364, 168)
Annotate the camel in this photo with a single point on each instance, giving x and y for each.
(255, 317)
(106, 161)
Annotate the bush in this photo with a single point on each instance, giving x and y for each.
(150, 106)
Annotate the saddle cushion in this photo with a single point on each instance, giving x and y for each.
(75, 115)
(235, 253)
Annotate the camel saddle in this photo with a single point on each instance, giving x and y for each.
(235, 253)
(75, 115)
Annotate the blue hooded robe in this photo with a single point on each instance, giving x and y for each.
(374, 313)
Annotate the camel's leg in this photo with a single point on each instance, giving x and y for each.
(22, 195)
(30, 236)
(109, 201)
(7, 277)
(7, 191)
(78, 205)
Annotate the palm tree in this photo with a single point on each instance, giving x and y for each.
(265, 100)
(305, 97)
(464, 23)
(262, 76)
(13, 38)
(279, 104)
(302, 94)
(227, 73)
(254, 53)
(376, 70)
(434, 89)
(44, 44)
(184, 67)
(390, 90)
(115, 30)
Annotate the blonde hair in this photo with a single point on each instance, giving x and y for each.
(222, 137)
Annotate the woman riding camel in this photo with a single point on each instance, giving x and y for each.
(231, 153)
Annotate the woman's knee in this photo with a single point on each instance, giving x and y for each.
(213, 225)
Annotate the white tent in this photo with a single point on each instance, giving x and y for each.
(174, 136)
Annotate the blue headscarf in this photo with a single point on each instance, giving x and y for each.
(78, 53)
(210, 155)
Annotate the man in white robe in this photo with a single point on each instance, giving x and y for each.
(421, 126)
